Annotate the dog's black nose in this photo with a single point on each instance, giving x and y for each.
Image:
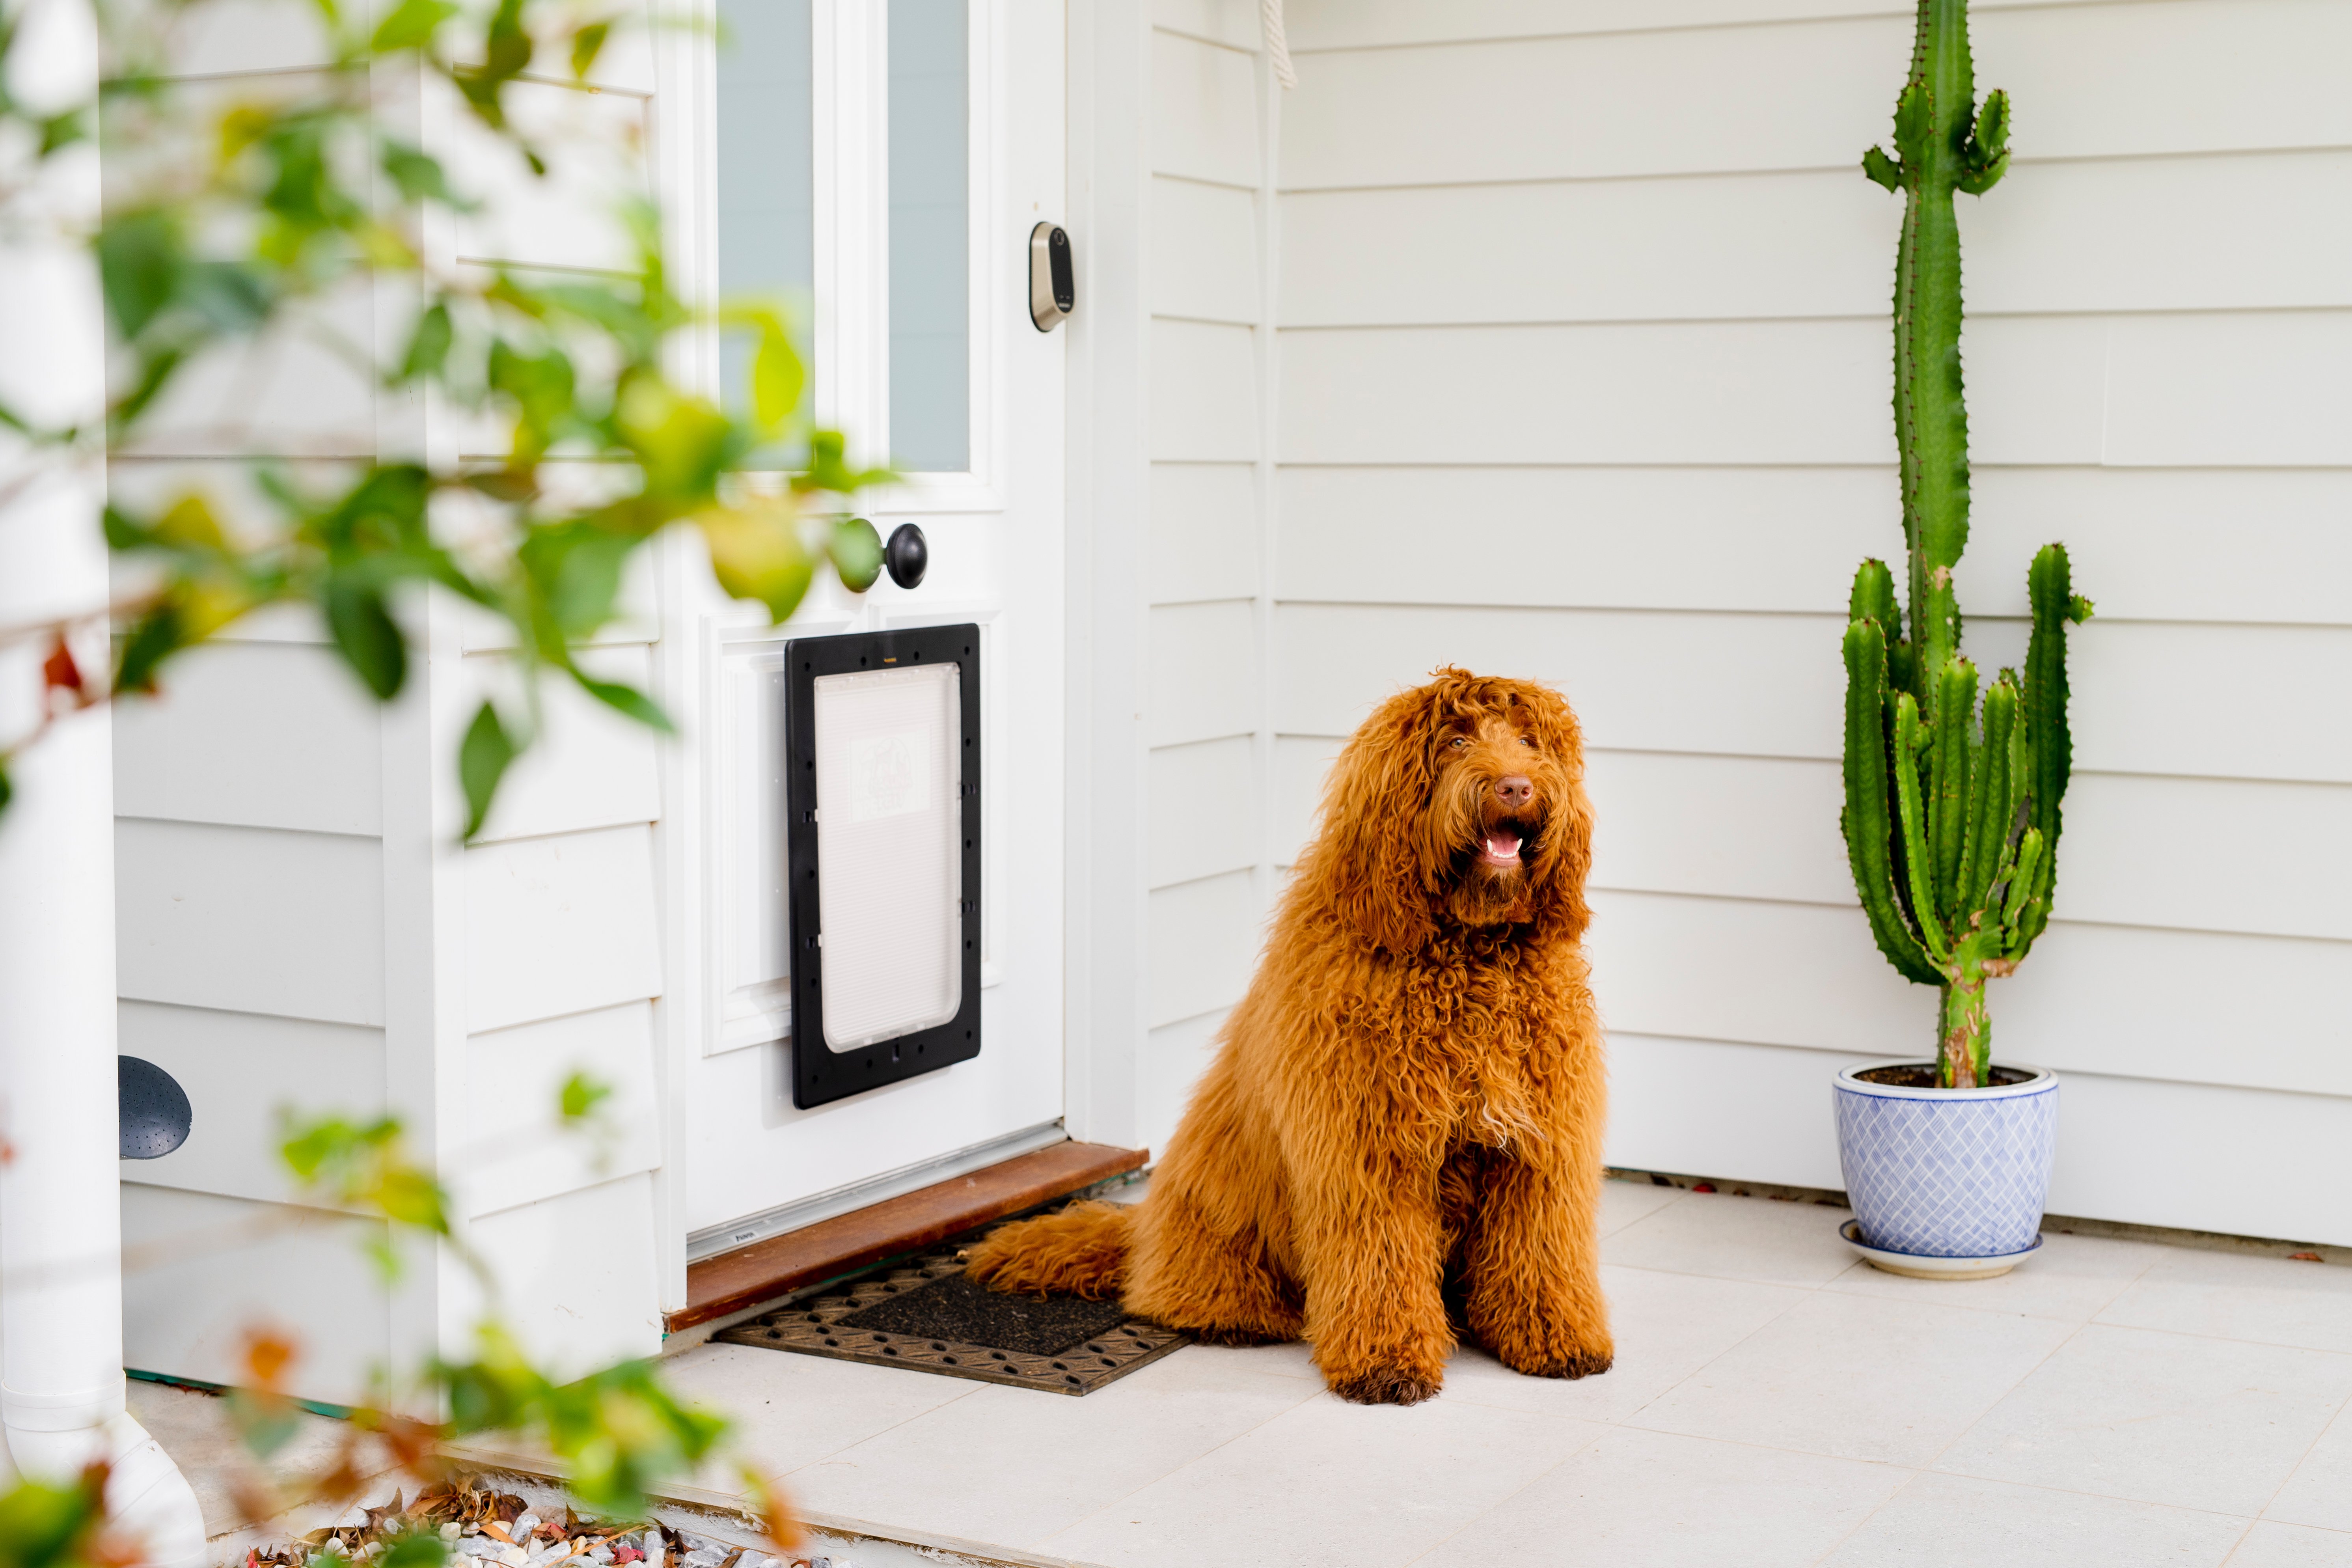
(1515, 790)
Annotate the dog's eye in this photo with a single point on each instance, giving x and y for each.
(1526, 740)
(1460, 742)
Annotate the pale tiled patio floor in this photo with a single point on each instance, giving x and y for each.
(1773, 1402)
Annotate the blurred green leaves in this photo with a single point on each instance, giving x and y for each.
(45, 1526)
(237, 221)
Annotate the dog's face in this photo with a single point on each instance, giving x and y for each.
(1496, 791)
(1460, 803)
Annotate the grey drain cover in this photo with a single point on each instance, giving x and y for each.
(905, 1316)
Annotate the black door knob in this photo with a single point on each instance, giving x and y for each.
(908, 556)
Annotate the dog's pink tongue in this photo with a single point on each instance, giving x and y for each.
(1501, 848)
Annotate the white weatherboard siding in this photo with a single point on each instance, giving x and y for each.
(1584, 374)
(296, 927)
(1208, 380)
(250, 934)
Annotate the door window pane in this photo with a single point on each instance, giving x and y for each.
(930, 385)
(767, 205)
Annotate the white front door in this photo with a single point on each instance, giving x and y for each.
(883, 163)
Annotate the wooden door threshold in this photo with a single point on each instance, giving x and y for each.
(770, 1270)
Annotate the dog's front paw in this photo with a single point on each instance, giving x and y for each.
(1385, 1386)
(1577, 1363)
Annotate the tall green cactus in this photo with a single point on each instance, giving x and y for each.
(1951, 805)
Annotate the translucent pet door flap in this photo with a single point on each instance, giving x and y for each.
(883, 856)
(890, 828)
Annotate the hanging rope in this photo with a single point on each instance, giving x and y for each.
(1278, 49)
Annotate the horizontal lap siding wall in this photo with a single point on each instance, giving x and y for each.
(1583, 372)
(250, 944)
(1205, 699)
(281, 941)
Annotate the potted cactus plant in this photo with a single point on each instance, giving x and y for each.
(1952, 795)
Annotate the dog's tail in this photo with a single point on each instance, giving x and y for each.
(1081, 1251)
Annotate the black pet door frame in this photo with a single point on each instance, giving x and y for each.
(882, 852)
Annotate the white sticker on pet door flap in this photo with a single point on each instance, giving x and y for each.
(889, 833)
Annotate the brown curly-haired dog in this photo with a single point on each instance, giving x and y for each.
(1400, 1134)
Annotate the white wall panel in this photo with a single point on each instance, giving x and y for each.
(627, 58)
(560, 925)
(241, 1071)
(1204, 260)
(256, 735)
(594, 145)
(2203, 1158)
(1204, 533)
(1316, 25)
(577, 1309)
(2192, 1007)
(1756, 685)
(2164, 77)
(1774, 98)
(1600, 538)
(1815, 243)
(1732, 392)
(1710, 1107)
(1789, 537)
(2268, 545)
(2089, 80)
(2101, 236)
(1300, 765)
(250, 919)
(1204, 405)
(1204, 676)
(1748, 392)
(201, 1271)
(2231, 232)
(293, 391)
(1707, 1108)
(2254, 390)
(1751, 827)
(2230, 701)
(2189, 854)
(517, 1149)
(257, 36)
(1204, 937)
(243, 35)
(2208, 854)
(1204, 121)
(2188, 1006)
(1769, 974)
(1174, 1056)
(1205, 811)
(590, 767)
(1233, 23)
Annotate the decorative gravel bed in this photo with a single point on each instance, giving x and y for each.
(483, 1528)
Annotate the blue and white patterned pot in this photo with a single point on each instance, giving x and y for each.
(1947, 1172)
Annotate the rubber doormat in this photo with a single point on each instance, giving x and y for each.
(927, 1315)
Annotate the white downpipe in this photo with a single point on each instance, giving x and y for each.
(61, 1384)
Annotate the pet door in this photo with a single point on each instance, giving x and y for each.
(882, 802)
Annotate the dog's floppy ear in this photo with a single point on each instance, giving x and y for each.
(1560, 909)
(1366, 861)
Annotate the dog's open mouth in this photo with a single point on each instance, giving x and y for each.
(1500, 848)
